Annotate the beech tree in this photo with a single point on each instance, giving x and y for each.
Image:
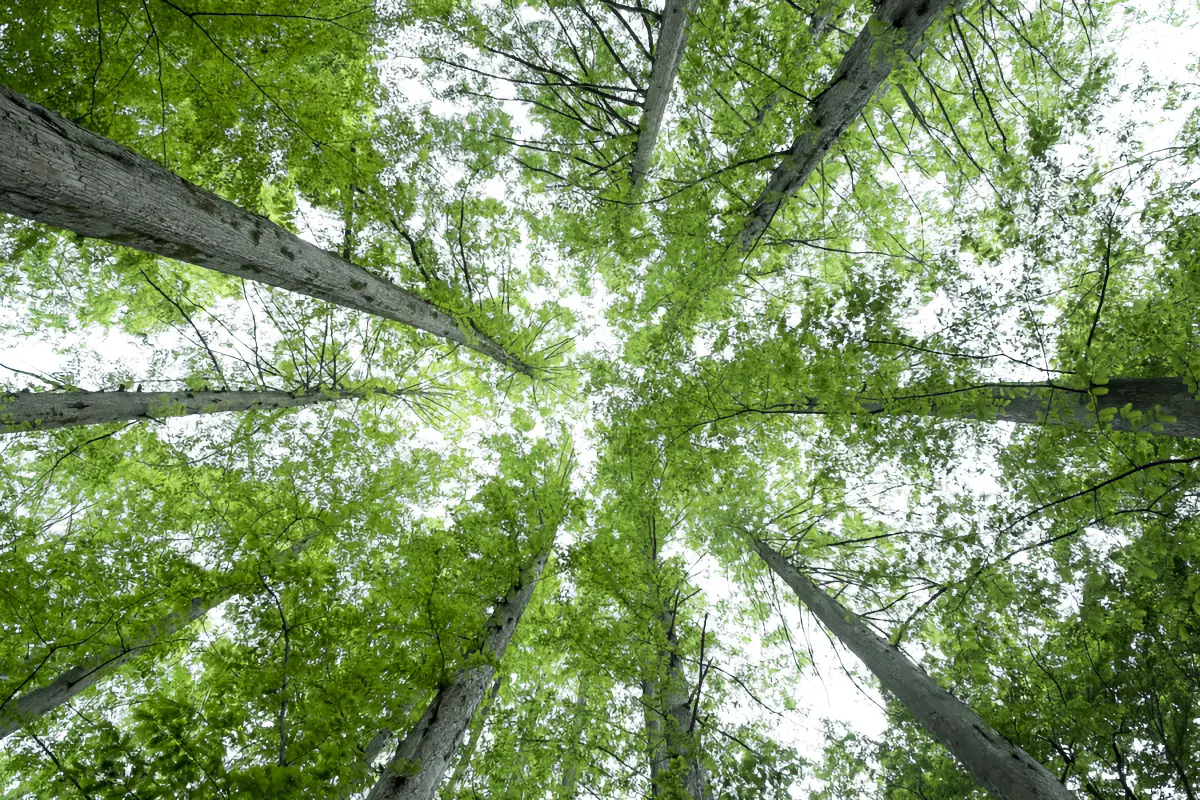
(837, 435)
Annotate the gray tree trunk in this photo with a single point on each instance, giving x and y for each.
(464, 759)
(56, 173)
(668, 52)
(681, 744)
(423, 756)
(1159, 399)
(43, 411)
(570, 777)
(1005, 770)
(864, 68)
(667, 715)
(16, 712)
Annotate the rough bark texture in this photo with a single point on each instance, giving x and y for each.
(667, 715)
(1004, 769)
(423, 756)
(55, 172)
(464, 760)
(18, 711)
(863, 69)
(41, 411)
(681, 744)
(668, 52)
(15, 712)
(1041, 404)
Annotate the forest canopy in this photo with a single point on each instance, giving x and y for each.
(679, 399)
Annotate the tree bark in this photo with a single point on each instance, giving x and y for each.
(464, 760)
(864, 68)
(681, 745)
(421, 760)
(668, 52)
(570, 776)
(43, 411)
(16, 712)
(1005, 770)
(56, 173)
(1159, 399)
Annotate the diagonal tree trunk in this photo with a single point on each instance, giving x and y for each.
(1005, 770)
(464, 759)
(56, 173)
(864, 68)
(43, 411)
(423, 756)
(1158, 399)
(668, 52)
(16, 712)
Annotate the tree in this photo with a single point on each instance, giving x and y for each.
(1001, 767)
(151, 210)
(904, 291)
(48, 410)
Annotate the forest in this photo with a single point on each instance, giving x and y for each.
(567, 399)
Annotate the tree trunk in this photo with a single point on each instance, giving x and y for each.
(422, 758)
(656, 743)
(1004, 769)
(43, 411)
(1158, 399)
(464, 760)
(56, 173)
(570, 777)
(863, 69)
(674, 756)
(668, 52)
(15, 712)
(681, 745)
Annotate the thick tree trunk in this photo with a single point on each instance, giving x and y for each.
(422, 758)
(668, 52)
(1158, 399)
(863, 69)
(464, 759)
(55, 172)
(681, 745)
(656, 743)
(15, 712)
(667, 715)
(1004, 769)
(42, 411)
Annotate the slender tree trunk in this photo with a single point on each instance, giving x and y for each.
(423, 756)
(863, 69)
(43, 411)
(570, 777)
(668, 52)
(1004, 769)
(56, 173)
(16, 712)
(464, 759)
(1158, 399)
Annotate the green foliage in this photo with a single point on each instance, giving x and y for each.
(1008, 231)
